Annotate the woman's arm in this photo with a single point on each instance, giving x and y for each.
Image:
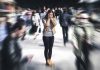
(46, 24)
(53, 20)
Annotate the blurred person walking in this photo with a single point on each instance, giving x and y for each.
(27, 17)
(82, 40)
(64, 21)
(48, 35)
(58, 13)
(4, 28)
(11, 50)
(36, 23)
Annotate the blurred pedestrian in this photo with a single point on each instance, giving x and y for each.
(48, 35)
(64, 21)
(27, 17)
(36, 23)
(57, 12)
(11, 50)
(83, 34)
(4, 28)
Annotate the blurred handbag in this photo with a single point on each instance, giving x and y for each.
(33, 29)
(39, 30)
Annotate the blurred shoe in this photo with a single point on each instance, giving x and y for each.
(22, 39)
(49, 62)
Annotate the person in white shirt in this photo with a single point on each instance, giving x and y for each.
(36, 21)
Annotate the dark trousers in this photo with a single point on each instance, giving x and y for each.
(86, 50)
(84, 64)
(65, 34)
(48, 43)
(80, 64)
(9, 65)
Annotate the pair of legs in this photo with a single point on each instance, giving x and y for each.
(83, 64)
(81, 36)
(65, 34)
(48, 43)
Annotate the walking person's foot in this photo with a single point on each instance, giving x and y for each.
(22, 39)
(30, 58)
(49, 62)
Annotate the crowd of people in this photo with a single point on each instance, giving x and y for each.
(29, 21)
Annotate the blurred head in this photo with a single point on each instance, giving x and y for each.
(83, 15)
(19, 28)
(34, 11)
(65, 9)
(28, 13)
(50, 14)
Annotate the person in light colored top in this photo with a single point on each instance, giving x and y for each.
(48, 35)
(36, 22)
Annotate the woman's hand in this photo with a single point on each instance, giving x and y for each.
(53, 20)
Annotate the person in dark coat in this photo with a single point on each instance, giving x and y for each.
(11, 50)
(4, 28)
(64, 21)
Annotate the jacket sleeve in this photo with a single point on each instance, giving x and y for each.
(14, 53)
(60, 19)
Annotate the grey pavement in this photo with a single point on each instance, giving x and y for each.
(62, 57)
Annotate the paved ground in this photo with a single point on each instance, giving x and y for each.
(62, 57)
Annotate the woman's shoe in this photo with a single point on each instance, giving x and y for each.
(49, 62)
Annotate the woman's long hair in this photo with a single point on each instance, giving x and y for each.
(49, 11)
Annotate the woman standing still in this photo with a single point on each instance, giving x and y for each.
(48, 35)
